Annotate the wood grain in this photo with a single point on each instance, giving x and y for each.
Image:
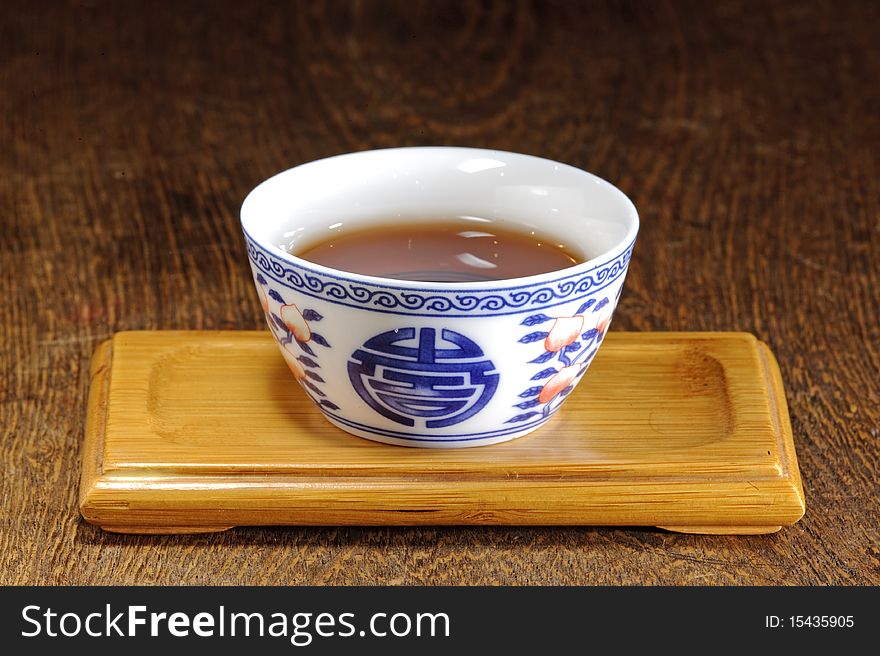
(190, 431)
(746, 133)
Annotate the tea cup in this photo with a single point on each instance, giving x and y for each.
(424, 364)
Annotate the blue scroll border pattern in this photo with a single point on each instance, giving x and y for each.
(425, 302)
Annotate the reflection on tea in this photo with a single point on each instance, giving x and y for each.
(462, 249)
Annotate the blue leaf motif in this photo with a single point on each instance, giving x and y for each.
(276, 296)
(525, 405)
(533, 337)
(319, 340)
(314, 376)
(311, 315)
(329, 404)
(521, 417)
(588, 358)
(544, 373)
(541, 359)
(574, 346)
(566, 391)
(305, 347)
(590, 334)
(279, 322)
(308, 362)
(261, 279)
(586, 306)
(535, 319)
(313, 388)
(532, 391)
(601, 304)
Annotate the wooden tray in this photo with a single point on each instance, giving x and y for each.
(191, 432)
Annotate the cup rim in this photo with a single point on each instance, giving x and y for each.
(601, 259)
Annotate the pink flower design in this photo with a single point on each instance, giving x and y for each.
(604, 319)
(293, 319)
(564, 331)
(562, 379)
(569, 348)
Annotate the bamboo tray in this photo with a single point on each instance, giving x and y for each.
(191, 432)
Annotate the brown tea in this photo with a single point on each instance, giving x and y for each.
(464, 249)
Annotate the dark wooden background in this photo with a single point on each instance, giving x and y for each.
(747, 133)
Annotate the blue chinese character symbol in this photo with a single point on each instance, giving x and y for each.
(409, 375)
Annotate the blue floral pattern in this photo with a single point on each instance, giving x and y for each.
(570, 350)
(290, 326)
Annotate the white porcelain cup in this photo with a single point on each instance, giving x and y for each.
(438, 364)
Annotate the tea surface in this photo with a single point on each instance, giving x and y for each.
(457, 250)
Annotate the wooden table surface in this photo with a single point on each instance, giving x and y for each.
(747, 134)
